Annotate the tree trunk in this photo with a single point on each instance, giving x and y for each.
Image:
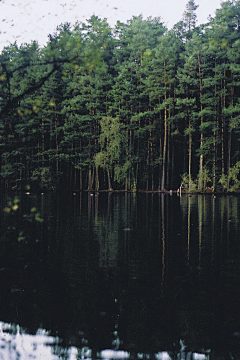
(43, 142)
(189, 155)
(223, 105)
(160, 155)
(164, 147)
(200, 182)
(165, 133)
(109, 181)
(56, 144)
(80, 180)
(89, 178)
(97, 179)
(229, 155)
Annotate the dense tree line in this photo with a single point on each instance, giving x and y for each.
(134, 107)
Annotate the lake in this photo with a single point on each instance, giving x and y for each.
(138, 275)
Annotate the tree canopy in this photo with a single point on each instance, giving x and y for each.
(134, 107)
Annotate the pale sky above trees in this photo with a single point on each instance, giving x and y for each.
(24, 20)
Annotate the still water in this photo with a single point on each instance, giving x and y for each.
(142, 275)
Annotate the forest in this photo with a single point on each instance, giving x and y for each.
(136, 107)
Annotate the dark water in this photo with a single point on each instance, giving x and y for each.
(135, 272)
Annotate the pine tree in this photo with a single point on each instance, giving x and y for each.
(160, 85)
(136, 42)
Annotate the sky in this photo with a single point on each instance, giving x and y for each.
(28, 20)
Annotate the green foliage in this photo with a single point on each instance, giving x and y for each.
(43, 177)
(205, 179)
(112, 140)
(19, 226)
(231, 182)
(188, 184)
(12, 205)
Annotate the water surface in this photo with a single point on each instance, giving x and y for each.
(135, 272)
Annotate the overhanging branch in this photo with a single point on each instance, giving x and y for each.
(13, 102)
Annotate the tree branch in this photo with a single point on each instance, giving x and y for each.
(13, 102)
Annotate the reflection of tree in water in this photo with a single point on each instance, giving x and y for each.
(134, 266)
(209, 310)
(113, 230)
(106, 229)
(140, 259)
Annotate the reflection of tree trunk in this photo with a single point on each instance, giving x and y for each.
(189, 225)
(163, 237)
(213, 228)
(96, 205)
(200, 224)
(89, 206)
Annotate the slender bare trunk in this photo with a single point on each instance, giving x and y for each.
(200, 183)
(97, 179)
(189, 154)
(109, 180)
(164, 147)
(89, 178)
(223, 105)
(56, 144)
